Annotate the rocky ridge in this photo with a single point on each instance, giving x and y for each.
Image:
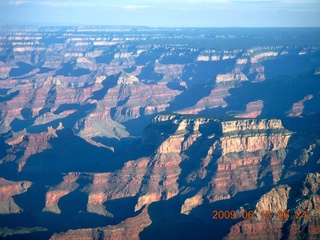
(290, 217)
(8, 190)
(128, 229)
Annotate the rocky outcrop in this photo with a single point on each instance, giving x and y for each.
(240, 148)
(127, 229)
(152, 179)
(240, 145)
(161, 179)
(23, 145)
(257, 71)
(262, 53)
(297, 108)
(215, 99)
(256, 229)
(191, 203)
(276, 218)
(250, 125)
(228, 156)
(213, 55)
(99, 124)
(170, 71)
(253, 110)
(231, 77)
(40, 98)
(55, 193)
(306, 212)
(130, 99)
(8, 189)
(127, 79)
(274, 201)
(123, 183)
(250, 143)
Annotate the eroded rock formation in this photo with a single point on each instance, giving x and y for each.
(128, 229)
(8, 189)
(295, 220)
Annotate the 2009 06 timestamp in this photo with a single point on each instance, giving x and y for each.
(250, 214)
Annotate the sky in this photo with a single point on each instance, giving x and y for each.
(163, 13)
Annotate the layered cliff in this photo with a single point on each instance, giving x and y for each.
(24, 145)
(8, 189)
(228, 156)
(284, 213)
(131, 99)
(128, 229)
(55, 193)
(234, 155)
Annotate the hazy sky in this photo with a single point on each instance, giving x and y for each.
(163, 13)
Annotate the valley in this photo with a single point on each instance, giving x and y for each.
(140, 133)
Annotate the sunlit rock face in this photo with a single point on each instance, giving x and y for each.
(55, 193)
(244, 152)
(128, 229)
(8, 190)
(269, 221)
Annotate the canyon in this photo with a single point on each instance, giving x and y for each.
(139, 133)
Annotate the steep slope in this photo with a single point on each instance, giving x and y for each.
(8, 189)
(128, 229)
(235, 156)
(281, 214)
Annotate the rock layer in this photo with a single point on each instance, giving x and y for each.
(128, 229)
(8, 189)
(300, 220)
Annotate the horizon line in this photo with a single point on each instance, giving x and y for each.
(142, 26)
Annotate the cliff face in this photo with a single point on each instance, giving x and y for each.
(253, 110)
(94, 105)
(123, 183)
(131, 99)
(235, 155)
(275, 200)
(8, 189)
(251, 124)
(55, 193)
(301, 219)
(228, 157)
(25, 145)
(297, 108)
(128, 229)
